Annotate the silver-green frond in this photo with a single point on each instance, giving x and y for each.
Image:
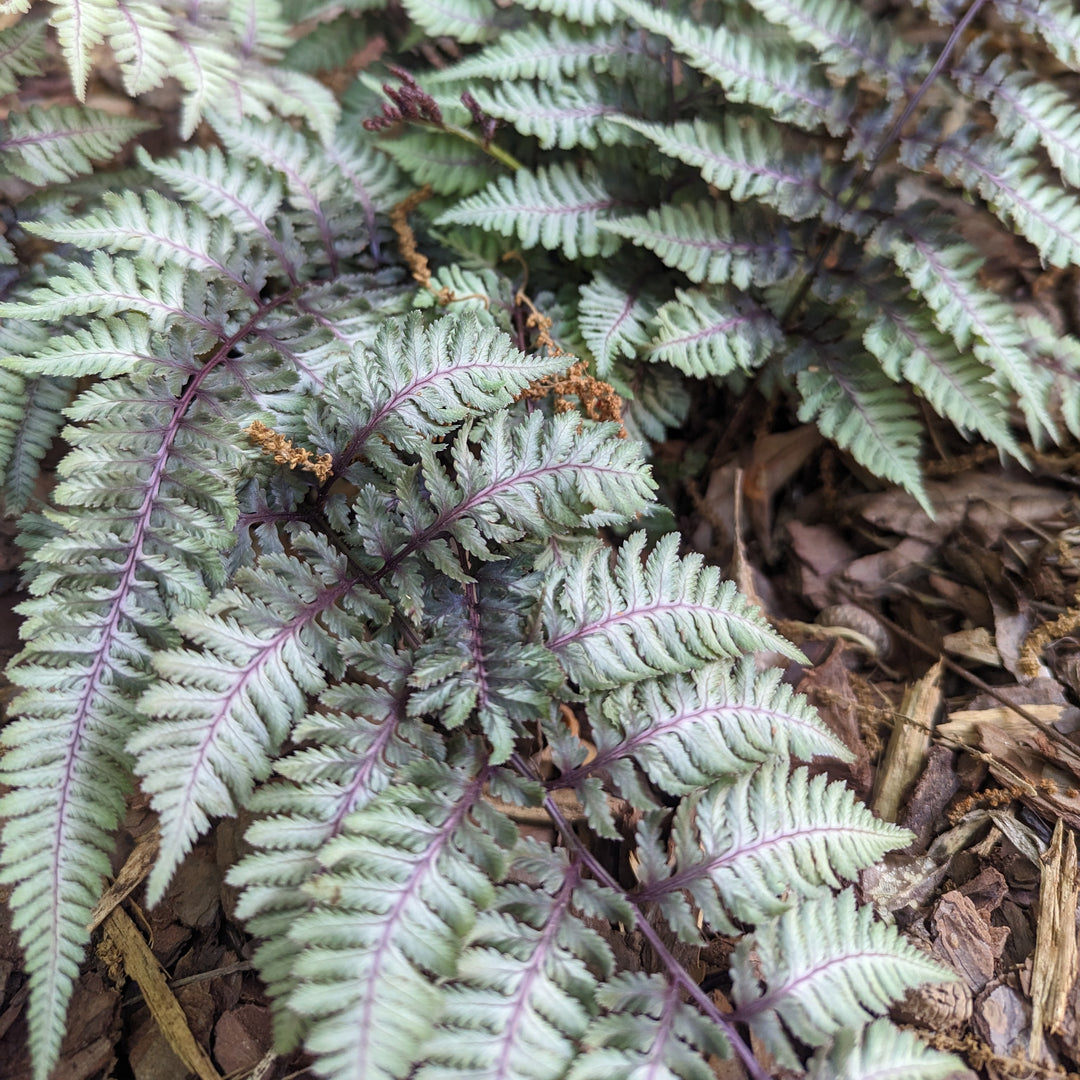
(586, 12)
(524, 991)
(647, 1030)
(823, 966)
(49, 146)
(612, 320)
(557, 207)
(712, 242)
(863, 411)
(396, 897)
(705, 332)
(881, 1052)
(464, 20)
(745, 849)
(610, 625)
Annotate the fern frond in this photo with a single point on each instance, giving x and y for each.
(880, 1052)
(464, 20)
(450, 165)
(140, 534)
(30, 419)
(863, 411)
(702, 333)
(752, 71)
(524, 988)
(59, 831)
(712, 242)
(959, 387)
(1055, 21)
(557, 207)
(610, 626)
(13, 398)
(112, 286)
(15, 395)
(647, 1030)
(359, 740)
(538, 52)
(655, 398)
(143, 44)
(397, 895)
(1016, 190)
(824, 966)
(50, 146)
(221, 188)
(686, 731)
(532, 477)
(30, 413)
(212, 73)
(483, 293)
(367, 185)
(220, 63)
(267, 87)
(945, 275)
(748, 161)
(22, 48)
(586, 12)
(743, 849)
(1028, 110)
(468, 671)
(1057, 358)
(558, 114)
(81, 25)
(310, 180)
(221, 712)
(845, 38)
(612, 321)
(159, 230)
(415, 381)
(329, 45)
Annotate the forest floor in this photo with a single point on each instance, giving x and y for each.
(944, 651)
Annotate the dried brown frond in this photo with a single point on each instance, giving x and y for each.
(597, 398)
(1064, 625)
(990, 799)
(284, 453)
(415, 260)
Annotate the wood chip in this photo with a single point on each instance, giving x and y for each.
(123, 936)
(976, 645)
(909, 743)
(132, 874)
(1055, 963)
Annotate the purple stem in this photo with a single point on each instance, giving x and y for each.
(678, 972)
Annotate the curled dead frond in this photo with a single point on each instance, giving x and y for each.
(416, 260)
(597, 398)
(284, 453)
(1065, 624)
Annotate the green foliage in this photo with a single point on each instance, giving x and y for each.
(363, 663)
(222, 55)
(557, 207)
(465, 20)
(744, 163)
(49, 146)
(818, 961)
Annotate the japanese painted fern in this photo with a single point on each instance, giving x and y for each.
(322, 550)
(777, 188)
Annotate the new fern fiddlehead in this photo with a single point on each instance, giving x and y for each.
(364, 661)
